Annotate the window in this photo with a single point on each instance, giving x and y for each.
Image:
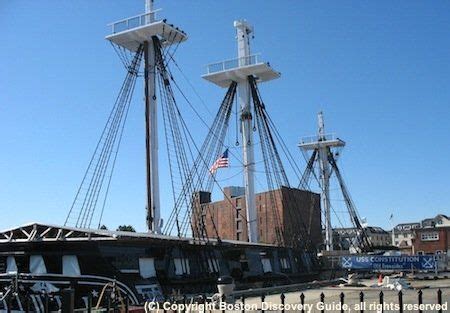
(429, 236)
(438, 252)
(11, 265)
(284, 262)
(147, 267)
(181, 266)
(70, 266)
(239, 225)
(213, 265)
(238, 213)
(37, 265)
(267, 266)
(238, 236)
(420, 253)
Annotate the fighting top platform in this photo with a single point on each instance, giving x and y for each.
(131, 32)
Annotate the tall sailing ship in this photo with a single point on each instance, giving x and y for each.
(192, 248)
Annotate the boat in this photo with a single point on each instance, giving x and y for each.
(42, 265)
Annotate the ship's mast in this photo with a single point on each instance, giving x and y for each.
(325, 182)
(322, 144)
(243, 43)
(151, 129)
(145, 31)
(240, 70)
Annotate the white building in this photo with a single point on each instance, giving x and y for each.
(402, 236)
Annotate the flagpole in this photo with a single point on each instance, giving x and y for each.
(393, 229)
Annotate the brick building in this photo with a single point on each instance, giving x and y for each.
(297, 214)
(432, 240)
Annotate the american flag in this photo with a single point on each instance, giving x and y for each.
(222, 161)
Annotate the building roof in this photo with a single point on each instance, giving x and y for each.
(432, 228)
(376, 229)
(437, 220)
(406, 227)
(370, 229)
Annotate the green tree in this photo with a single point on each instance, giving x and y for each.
(126, 228)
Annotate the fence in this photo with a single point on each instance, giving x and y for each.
(323, 300)
(122, 305)
(302, 299)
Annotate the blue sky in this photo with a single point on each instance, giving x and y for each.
(379, 70)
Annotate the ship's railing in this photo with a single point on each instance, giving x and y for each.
(315, 138)
(233, 63)
(133, 22)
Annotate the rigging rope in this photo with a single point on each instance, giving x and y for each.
(276, 176)
(363, 239)
(83, 207)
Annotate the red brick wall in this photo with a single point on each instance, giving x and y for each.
(302, 208)
(432, 246)
(293, 207)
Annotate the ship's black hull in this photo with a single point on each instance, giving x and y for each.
(116, 259)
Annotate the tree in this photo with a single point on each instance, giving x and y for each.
(103, 227)
(126, 228)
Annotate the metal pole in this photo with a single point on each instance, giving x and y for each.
(263, 299)
(223, 300)
(419, 299)
(302, 301)
(342, 297)
(436, 265)
(382, 300)
(151, 130)
(322, 300)
(439, 299)
(361, 301)
(243, 30)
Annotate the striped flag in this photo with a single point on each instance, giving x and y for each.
(222, 161)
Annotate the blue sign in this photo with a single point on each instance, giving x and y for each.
(385, 262)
